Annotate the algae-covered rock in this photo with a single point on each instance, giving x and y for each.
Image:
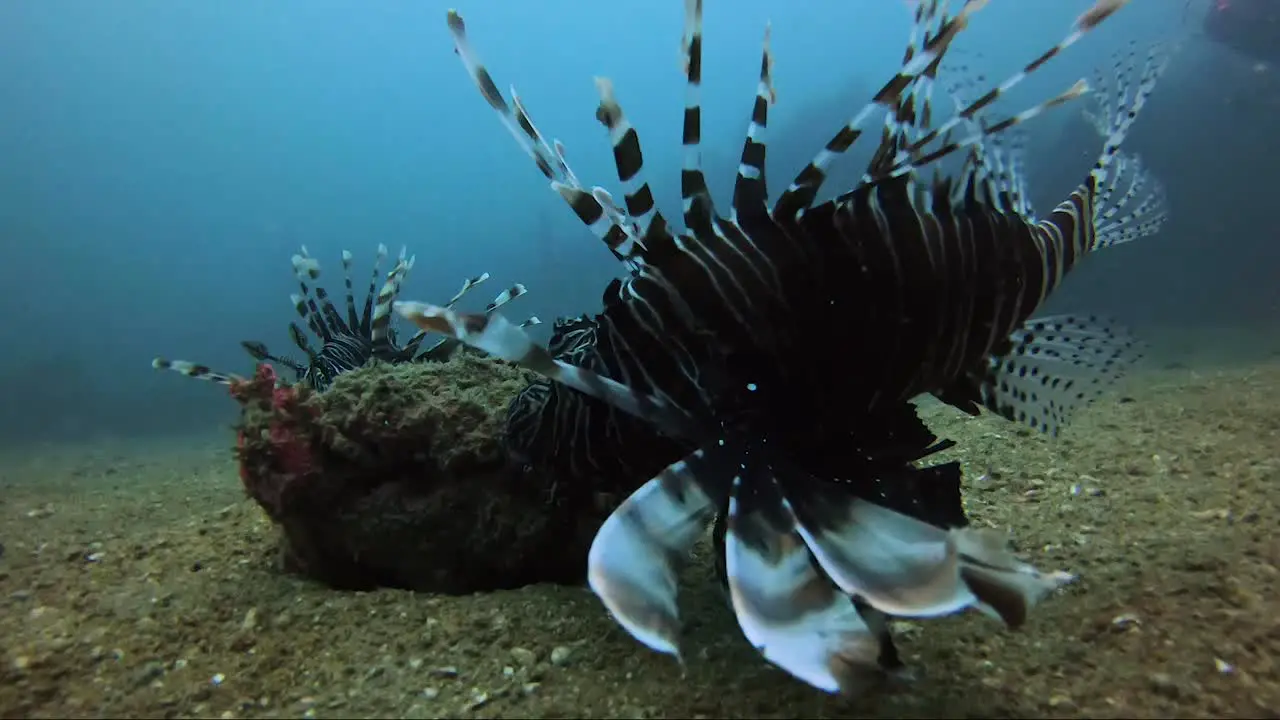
(396, 476)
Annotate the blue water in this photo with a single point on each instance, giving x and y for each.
(160, 162)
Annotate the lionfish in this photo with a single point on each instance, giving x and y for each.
(784, 343)
(348, 343)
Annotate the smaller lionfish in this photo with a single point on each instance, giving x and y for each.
(782, 342)
(348, 343)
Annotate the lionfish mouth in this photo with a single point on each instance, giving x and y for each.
(814, 568)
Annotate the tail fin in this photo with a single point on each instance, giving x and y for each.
(1129, 203)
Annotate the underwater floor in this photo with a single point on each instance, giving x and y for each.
(137, 581)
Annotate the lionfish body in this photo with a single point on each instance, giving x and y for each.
(350, 341)
(781, 345)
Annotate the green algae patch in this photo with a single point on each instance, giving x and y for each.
(397, 477)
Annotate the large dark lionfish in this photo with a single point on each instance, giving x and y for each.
(784, 343)
(348, 343)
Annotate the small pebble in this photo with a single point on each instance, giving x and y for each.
(1164, 684)
(524, 657)
(561, 655)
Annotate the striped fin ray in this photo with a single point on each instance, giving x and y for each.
(1090, 19)
(505, 297)
(353, 320)
(751, 190)
(307, 269)
(195, 370)
(497, 336)
(912, 113)
(804, 189)
(381, 328)
(366, 317)
(569, 433)
(998, 162)
(415, 342)
(918, 153)
(641, 208)
(300, 340)
(444, 347)
(259, 352)
(467, 286)
(604, 222)
(696, 198)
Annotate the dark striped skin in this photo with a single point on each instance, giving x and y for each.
(778, 347)
(563, 431)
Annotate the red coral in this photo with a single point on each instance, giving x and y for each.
(290, 448)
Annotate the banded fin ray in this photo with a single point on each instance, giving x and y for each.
(592, 207)
(196, 371)
(259, 352)
(353, 320)
(497, 336)
(366, 316)
(805, 187)
(381, 326)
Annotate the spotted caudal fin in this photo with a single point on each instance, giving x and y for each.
(1128, 202)
(195, 370)
(1055, 365)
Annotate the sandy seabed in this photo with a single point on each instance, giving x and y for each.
(137, 581)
